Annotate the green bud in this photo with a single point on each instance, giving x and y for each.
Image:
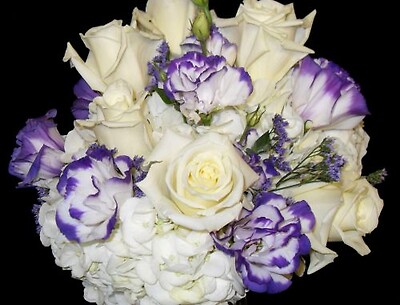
(201, 26)
(254, 117)
(200, 3)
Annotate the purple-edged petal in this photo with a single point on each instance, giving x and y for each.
(92, 188)
(201, 84)
(302, 211)
(84, 96)
(216, 44)
(326, 95)
(46, 165)
(38, 152)
(268, 241)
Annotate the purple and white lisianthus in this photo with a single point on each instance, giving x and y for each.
(268, 241)
(92, 188)
(202, 84)
(325, 94)
(84, 96)
(216, 44)
(38, 155)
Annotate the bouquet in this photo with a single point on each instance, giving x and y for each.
(209, 157)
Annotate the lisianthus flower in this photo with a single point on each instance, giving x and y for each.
(92, 187)
(201, 84)
(38, 155)
(325, 95)
(268, 241)
(216, 44)
(84, 96)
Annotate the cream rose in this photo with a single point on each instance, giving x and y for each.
(270, 41)
(116, 52)
(198, 183)
(344, 211)
(117, 120)
(325, 200)
(358, 215)
(170, 19)
(352, 145)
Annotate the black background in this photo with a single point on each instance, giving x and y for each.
(357, 35)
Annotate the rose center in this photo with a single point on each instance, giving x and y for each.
(205, 175)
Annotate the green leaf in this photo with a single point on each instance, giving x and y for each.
(164, 97)
(263, 143)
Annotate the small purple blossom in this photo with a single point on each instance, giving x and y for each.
(267, 155)
(268, 241)
(38, 152)
(326, 95)
(158, 66)
(200, 84)
(332, 162)
(92, 188)
(322, 164)
(138, 175)
(84, 96)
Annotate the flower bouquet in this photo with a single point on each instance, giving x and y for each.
(209, 157)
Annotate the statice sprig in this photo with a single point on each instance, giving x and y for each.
(158, 66)
(377, 177)
(322, 164)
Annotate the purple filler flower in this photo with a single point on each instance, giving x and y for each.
(84, 96)
(38, 152)
(201, 84)
(92, 187)
(268, 241)
(326, 95)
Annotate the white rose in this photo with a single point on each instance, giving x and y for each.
(170, 19)
(358, 215)
(199, 183)
(116, 52)
(324, 199)
(344, 211)
(352, 146)
(117, 120)
(270, 41)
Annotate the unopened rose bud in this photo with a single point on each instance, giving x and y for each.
(201, 3)
(201, 26)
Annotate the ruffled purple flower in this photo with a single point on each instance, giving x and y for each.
(84, 96)
(92, 188)
(326, 95)
(38, 152)
(268, 241)
(201, 84)
(216, 44)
